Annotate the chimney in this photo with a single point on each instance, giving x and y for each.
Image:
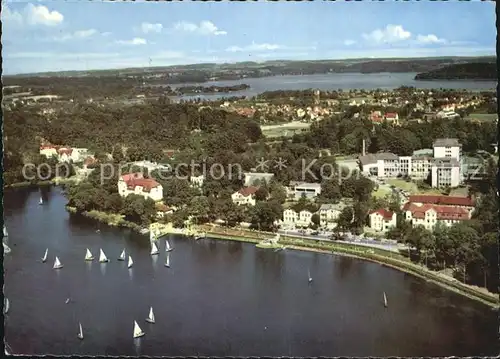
(364, 145)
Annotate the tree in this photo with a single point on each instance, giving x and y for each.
(261, 194)
(199, 209)
(316, 220)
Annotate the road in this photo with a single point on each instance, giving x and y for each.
(388, 246)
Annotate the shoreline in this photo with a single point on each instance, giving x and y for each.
(409, 268)
(384, 258)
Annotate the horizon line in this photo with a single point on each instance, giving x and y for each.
(35, 74)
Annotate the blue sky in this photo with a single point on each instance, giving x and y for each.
(84, 35)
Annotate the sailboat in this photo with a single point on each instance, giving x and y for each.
(102, 257)
(122, 256)
(40, 202)
(137, 330)
(309, 274)
(89, 256)
(154, 249)
(5, 234)
(44, 258)
(167, 246)
(57, 264)
(80, 334)
(167, 261)
(6, 306)
(130, 262)
(151, 318)
(385, 300)
(152, 236)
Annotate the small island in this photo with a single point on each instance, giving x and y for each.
(188, 90)
(469, 71)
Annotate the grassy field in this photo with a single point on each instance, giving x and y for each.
(286, 129)
(482, 117)
(411, 187)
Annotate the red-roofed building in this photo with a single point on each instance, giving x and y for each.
(245, 195)
(428, 215)
(48, 150)
(376, 117)
(381, 220)
(462, 202)
(392, 117)
(135, 183)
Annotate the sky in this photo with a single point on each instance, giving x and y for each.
(43, 36)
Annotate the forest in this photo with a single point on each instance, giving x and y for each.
(468, 71)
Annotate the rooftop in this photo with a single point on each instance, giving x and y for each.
(384, 213)
(446, 142)
(442, 200)
(372, 158)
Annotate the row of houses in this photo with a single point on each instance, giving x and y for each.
(67, 154)
(425, 210)
(442, 163)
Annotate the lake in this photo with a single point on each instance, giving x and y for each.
(218, 298)
(345, 81)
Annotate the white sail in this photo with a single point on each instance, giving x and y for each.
(122, 256)
(57, 264)
(385, 300)
(88, 255)
(167, 246)
(44, 258)
(154, 248)
(167, 261)
(5, 234)
(80, 333)
(309, 275)
(151, 317)
(137, 330)
(41, 200)
(130, 261)
(102, 257)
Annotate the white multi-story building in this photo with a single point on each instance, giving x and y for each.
(443, 165)
(328, 214)
(445, 172)
(299, 189)
(447, 148)
(65, 154)
(382, 220)
(135, 183)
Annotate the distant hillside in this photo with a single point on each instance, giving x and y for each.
(468, 71)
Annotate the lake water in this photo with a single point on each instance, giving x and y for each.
(346, 81)
(218, 298)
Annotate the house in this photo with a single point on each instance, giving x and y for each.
(90, 161)
(197, 181)
(392, 117)
(381, 220)
(290, 218)
(376, 117)
(163, 210)
(304, 218)
(428, 215)
(251, 177)
(328, 214)
(299, 189)
(64, 154)
(135, 183)
(48, 150)
(245, 196)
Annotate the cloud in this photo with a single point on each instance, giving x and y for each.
(349, 42)
(81, 34)
(31, 15)
(41, 15)
(429, 39)
(147, 27)
(107, 33)
(69, 55)
(391, 34)
(11, 17)
(134, 41)
(255, 47)
(203, 28)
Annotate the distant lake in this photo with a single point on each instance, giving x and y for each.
(218, 298)
(344, 81)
